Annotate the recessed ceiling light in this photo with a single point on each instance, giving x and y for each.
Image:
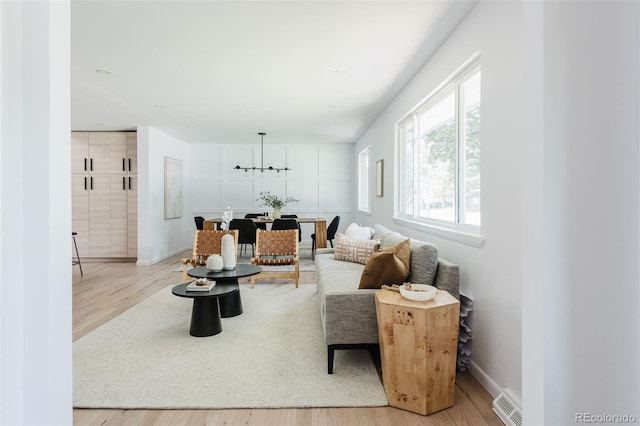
(101, 71)
(159, 106)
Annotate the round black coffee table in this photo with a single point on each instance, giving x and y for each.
(230, 304)
(205, 315)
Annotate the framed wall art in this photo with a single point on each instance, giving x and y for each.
(172, 188)
(379, 178)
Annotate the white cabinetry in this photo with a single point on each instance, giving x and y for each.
(104, 195)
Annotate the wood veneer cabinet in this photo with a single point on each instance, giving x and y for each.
(104, 194)
(418, 348)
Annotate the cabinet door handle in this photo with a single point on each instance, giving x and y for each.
(123, 169)
(92, 183)
(129, 164)
(85, 183)
(91, 165)
(85, 166)
(123, 184)
(129, 182)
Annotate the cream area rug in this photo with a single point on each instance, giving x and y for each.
(271, 356)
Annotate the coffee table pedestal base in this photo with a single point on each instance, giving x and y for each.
(231, 304)
(205, 317)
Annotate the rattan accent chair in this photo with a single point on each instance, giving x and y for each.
(276, 248)
(206, 243)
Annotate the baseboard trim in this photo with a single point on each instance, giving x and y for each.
(163, 257)
(484, 379)
(107, 259)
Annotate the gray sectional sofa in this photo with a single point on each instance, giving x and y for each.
(348, 313)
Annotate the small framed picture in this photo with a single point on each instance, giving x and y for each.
(379, 178)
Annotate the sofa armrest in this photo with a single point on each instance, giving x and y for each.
(350, 317)
(448, 277)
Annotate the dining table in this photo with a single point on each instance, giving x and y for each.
(320, 226)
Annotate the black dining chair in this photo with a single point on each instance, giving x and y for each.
(255, 216)
(279, 224)
(246, 234)
(331, 234)
(294, 216)
(199, 222)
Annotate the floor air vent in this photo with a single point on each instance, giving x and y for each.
(507, 409)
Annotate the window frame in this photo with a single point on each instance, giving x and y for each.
(364, 187)
(454, 230)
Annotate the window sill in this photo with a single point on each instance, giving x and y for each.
(468, 238)
(364, 212)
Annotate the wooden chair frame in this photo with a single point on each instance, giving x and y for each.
(276, 248)
(206, 243)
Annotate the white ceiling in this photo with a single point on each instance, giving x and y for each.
(213, 71)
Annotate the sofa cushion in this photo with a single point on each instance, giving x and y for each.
(387, 266)
(358, 232)
(424, 256)
(352, 250)
(387, 237)
(424, 262)
(379, 231)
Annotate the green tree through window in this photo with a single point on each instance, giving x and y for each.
(441, 156)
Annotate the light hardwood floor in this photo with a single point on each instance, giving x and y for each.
(108, 289)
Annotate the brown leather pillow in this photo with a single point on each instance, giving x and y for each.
(388, 266)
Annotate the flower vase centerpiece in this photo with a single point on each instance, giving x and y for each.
(276, 203)
(228, 248)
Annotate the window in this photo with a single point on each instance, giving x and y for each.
(364, 180)
(439, 156)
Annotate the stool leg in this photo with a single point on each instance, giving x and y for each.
(78, 256)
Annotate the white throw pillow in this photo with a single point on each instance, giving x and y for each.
(357, 232)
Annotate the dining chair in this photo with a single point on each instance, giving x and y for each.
(331, 234)
(255, 216)
(276, 248)
(294, 216)
(199, 222)
(205, 243)
(247, 233)
(281, 224)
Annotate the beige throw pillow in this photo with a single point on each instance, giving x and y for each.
(388, 266)
(350, 250)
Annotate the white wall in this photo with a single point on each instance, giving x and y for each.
(35, 225)
(591, 209)
(532, 230)
(158, 238)
(321, 177)
(489, 275)
(560, 202)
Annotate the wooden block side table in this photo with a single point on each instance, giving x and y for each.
(418, 348)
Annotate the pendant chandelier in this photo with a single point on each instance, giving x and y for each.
(262, 168)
